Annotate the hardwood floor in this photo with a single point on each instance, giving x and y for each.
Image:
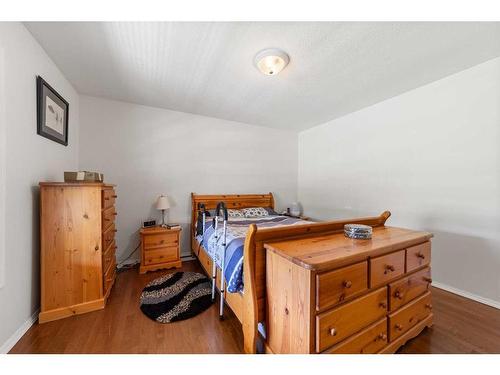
(460, 326)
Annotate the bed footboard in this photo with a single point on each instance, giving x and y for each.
(254, 266)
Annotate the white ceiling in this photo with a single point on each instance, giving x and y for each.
(207, 68)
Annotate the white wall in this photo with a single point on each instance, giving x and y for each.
(29, 158)
(431, 156)
(148, 151)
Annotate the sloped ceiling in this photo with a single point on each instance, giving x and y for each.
(207, 68)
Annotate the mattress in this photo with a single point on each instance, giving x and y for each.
(235, 239)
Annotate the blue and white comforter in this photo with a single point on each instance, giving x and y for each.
(236, 231)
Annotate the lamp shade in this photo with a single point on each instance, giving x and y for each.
(162, 203)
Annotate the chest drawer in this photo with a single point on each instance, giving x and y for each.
(161, 255)
(408, 316)
(418, 256)
(152, 241)
(369, 341)
(108, 217)
(386, 268)
(108, 237)
(109, 256)
(109, 276)
(405, 290)
(108, 198)
(337, 324)
(336, 286)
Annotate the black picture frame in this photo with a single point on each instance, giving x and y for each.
(55, 127)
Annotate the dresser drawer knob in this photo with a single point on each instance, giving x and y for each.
(333, 332)
(428, 306)
(114, 196)
(383, 305)
(382, 336)
(96, 248)
(398, 294)
(347, 284)
(399, 327)
(389, 268)
(428, 279)
(421, 256)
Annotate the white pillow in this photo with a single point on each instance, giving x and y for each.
(235, 213)
(255, 212)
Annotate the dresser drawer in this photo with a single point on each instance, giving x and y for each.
(110, 275)
(369, 341)
(405, 290)
(337, 324)
(408, 316)
(161, 255)
(108, 198)
(418, 256)
(152, 241)
(339, 285)
(108, 237)
(386, 268)
(108, 217)
(109, 256)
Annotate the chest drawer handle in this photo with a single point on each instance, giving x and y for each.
(428, 279)
(383, 305)
(428, 306)
(389, 268)
(398, 294)
(421, 256)
(347, 284)
(399, 327)
(333, 332)
(382, 336)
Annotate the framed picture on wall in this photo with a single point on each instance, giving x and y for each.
(52, 113)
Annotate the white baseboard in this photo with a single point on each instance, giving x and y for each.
(12, 340)
(468, 295)
(127, 263)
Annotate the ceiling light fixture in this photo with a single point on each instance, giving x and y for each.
(271, 61)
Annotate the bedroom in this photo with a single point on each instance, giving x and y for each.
(297, 127)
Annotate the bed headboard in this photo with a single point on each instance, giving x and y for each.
(235, 201)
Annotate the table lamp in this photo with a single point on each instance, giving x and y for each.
(162, 204)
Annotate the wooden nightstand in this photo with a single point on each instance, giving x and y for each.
(160, 248)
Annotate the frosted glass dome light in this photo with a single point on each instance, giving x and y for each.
(271, 61)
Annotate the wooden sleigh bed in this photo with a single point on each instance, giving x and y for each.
(251, 306)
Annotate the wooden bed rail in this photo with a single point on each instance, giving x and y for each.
(254, 265)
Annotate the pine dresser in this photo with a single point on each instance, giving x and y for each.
(77, 243)
(333, 294)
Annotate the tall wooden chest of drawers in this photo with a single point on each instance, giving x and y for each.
(77, 243)
(332, 294)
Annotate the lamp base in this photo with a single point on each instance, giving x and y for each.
(163, 224)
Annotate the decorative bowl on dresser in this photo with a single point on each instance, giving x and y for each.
(160, 248)
(332, 294)
(77, 243)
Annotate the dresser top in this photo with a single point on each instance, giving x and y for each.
(48, 183)
(157, 229)
(335, 250)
